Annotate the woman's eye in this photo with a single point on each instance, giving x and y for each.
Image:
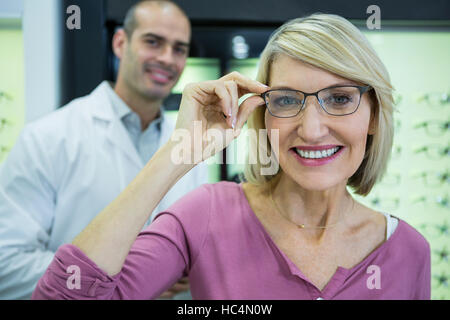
(283, 101)
(339, 99)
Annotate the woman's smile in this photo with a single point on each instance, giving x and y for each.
(316, 157)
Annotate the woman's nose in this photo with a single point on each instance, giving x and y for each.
(312, 127)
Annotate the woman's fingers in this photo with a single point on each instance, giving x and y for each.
(245, 85)
(210, 93)
(223, 95)
(242, 85)
(226, 100)
(233, 92)
(238, 85)
(246, 108)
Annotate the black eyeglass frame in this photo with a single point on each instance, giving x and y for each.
(362, 90)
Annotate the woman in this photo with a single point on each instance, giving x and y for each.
(294, 234)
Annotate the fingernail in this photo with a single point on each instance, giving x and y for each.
(233, 123)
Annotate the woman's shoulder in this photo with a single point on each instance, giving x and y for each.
(207, 196)
(410, 239)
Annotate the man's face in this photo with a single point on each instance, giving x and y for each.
(154, 57)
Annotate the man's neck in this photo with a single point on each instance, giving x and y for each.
(146, 109)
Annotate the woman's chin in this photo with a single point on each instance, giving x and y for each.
(316, 183)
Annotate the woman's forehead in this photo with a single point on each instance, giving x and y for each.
(289, 72)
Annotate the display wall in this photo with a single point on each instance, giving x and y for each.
(416, 186)
(12, 111)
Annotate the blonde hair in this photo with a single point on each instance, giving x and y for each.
(334, 44)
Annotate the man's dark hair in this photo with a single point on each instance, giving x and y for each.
(130, 22)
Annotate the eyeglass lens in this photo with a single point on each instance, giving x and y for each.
(335, 101)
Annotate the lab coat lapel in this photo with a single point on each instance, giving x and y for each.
(116, 134)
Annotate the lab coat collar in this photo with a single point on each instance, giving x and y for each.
(103, 110)
(117, 134)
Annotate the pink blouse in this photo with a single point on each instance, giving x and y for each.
(213, 236)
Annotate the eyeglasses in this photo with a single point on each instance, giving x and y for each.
(434, 178)
(434, 151)
(5, 96)
(396, 152)
(4, 123)
(336, 100)
(440, 280)
(3, 151)
(441, 254)
(434, 231)
(386, 203)
(440, 201)
(435, 98)
(434, 128)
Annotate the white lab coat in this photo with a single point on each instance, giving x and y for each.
(64, 169)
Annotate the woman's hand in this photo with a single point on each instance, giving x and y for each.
(210, 118)
(109, 236)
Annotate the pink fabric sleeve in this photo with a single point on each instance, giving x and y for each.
(424, 276)
(160, 256)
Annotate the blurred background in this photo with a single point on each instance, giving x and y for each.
(44, 65)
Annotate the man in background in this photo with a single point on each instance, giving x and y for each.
(67, 166)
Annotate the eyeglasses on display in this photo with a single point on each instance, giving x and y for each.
(433, 178)
(4, 123)
(4, 96)
(441, 254)
(439, 201)
(434, 151)
(435, 230)
(434, 128)
(435, 99)
(385, 203)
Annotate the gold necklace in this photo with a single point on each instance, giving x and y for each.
(302, 226)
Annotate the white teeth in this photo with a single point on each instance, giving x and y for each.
(316, 154)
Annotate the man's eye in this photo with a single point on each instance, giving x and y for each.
(152, 42)
(180, 50)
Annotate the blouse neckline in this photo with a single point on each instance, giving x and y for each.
(341, 273)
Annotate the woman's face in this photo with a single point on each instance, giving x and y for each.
(313, 127)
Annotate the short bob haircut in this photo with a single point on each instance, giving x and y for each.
(332, 43)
